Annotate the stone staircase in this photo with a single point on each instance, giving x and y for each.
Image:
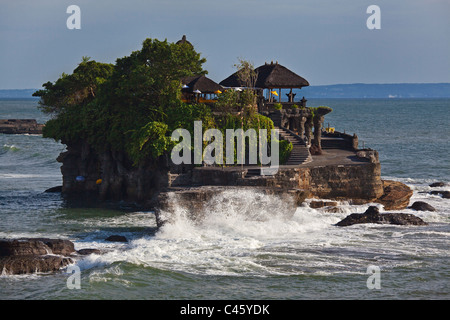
(300, 152)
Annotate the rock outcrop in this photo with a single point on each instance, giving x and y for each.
(20, 126)
(109, 174)
(37, 255)
(422, 206)
(372, 215)
(396, 195)
(116, 238)
(21, 256)
(444, 194)
(437, 184)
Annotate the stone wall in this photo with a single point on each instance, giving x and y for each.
(120, 180)
(359, 182)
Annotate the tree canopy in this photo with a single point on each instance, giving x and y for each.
(129, 106)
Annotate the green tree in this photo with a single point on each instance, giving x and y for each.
(76, 89)
(124, 107)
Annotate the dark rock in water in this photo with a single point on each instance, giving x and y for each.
(35, 246)
(85, 252)
(31, 264)
(54, 189)
(29, 255)
(116, 238)
(422, 206)
(437, 184)
(444, 194)
(372, 215)
(20, 126)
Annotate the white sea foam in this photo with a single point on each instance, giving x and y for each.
(228, 242)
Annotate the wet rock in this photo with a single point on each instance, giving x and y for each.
(85, 252)
(444, 194)
(437, 184)
(54, 189)
(25, 264)
(334, 210)
(35, 246)
(372, 215)
(320, 204)
(396, 195)
(30, 255)
(116, 238)
(422, 206)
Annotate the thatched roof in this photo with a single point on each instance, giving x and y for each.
(201, 83)
(271, 75)
(183, 40)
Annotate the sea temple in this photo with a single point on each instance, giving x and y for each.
(117, 148)
(321, 162)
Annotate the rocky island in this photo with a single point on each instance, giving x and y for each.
(118, 123)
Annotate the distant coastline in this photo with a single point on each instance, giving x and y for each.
(394, 90)
(17, 94)
(355, 90)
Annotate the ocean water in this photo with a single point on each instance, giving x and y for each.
(229, 255)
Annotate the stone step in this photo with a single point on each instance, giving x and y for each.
(253, 173)
(300, 153)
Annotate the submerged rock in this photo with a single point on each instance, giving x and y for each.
(30, 255)
(54, 189)
(422, 206)
(85, 252)
(116, 238)
(373, 215)
(437, 184)
(444, 194)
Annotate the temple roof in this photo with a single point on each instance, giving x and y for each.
(201, 83)
(271, 75)
(183, 40)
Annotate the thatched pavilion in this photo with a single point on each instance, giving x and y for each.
(271, 77)
(200, 89)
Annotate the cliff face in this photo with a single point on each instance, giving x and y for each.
(361, 183)
(82, 167)
(358, 182)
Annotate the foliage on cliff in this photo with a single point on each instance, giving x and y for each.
(135, 104)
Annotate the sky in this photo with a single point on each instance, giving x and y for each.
(324, 41)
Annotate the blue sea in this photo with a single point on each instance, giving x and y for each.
(228, 255)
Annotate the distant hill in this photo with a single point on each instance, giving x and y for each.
(356, 90)
(395, 90)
